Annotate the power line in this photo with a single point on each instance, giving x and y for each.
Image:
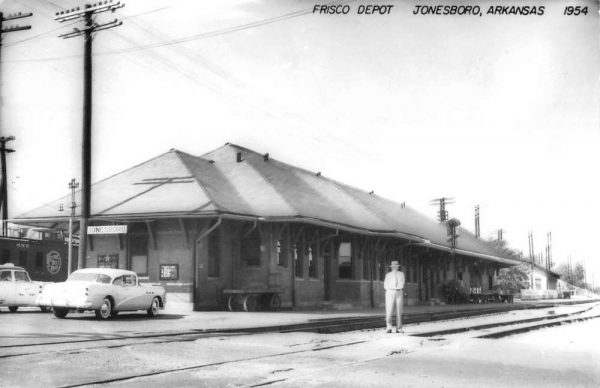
(39, 35)
(90, 26)
(190, 38)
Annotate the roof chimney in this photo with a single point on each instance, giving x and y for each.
(239, 157)
(319, 173)
(371, 192)
(266, 157)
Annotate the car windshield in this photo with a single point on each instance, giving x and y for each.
(21, 276)
(89, 277)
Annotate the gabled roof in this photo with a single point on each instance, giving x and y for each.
(176, 184)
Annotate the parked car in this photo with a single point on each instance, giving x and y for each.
(106, 291)
(17, 289)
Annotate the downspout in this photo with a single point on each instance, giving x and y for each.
(372, 292)
(293, 273)
(195, 259)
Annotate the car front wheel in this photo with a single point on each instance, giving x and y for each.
(13, 309)
(60, 313)
(105, 310)
(154, 308)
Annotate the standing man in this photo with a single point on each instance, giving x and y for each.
(394, 295)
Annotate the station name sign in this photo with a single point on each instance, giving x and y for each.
(107, 229)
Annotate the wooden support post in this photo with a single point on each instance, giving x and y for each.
(151, 235)
(184, 231)
(90, 241)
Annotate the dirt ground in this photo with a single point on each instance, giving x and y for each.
(567, 355)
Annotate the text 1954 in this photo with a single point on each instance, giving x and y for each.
(575, 11)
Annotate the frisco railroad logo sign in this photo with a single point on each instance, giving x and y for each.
(53, 262)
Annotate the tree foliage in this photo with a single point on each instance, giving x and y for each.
(574, 275)
(501, 246)
(513, 279)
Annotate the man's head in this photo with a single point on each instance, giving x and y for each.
(395, 265)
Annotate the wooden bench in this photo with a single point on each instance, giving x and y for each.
(253, 300)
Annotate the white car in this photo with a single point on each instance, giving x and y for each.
(17, 289)
(106, 291)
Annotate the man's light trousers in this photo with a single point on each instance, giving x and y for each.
(393, 298)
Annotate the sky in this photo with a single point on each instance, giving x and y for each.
(499, 111)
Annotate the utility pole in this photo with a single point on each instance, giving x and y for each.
(12, 16)
(477, 228)
(73, 185)
(570, 271)
(3, 140)
(87, 15)
(3, 190)
(443, 201)
(531, 256)
(549, 255)
(452, 233)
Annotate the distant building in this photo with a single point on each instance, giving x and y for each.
(237, 219)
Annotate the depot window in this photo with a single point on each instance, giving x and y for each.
(312, 262)
(299, 261)
(282, 252)
(345, 261)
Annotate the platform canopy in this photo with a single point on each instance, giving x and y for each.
(235, 182)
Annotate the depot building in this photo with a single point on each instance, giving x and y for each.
(236, 219)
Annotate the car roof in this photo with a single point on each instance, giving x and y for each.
(11, 266)
(112, 272)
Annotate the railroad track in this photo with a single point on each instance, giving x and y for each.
(500, 329)
(321, 326)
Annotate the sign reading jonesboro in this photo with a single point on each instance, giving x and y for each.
(107, 229)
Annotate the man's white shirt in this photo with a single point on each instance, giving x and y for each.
(394, 280)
